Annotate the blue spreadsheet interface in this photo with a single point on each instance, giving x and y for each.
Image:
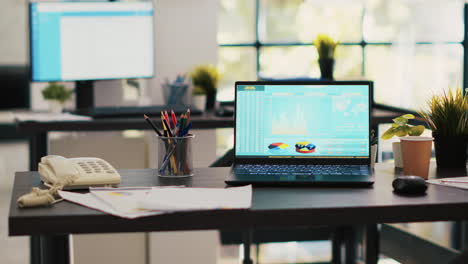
(91, 40)
(304, 121)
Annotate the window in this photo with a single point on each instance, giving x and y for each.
(409, 48)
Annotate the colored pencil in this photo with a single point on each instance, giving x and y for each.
(148, 120)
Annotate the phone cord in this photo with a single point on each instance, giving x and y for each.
(42, 197)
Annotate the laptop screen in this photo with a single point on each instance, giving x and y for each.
(302, 120)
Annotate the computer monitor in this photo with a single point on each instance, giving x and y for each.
(82, 41)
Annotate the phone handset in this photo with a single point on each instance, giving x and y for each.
(57, 170)
(59, 173)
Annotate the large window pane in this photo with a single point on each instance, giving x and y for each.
(236, 21)
(413, 21)
(289, 62)
(348, 63)
(299, 20)
(235, 64)
(293, 62)
(408, 75)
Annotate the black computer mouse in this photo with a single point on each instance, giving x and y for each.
(411, 185)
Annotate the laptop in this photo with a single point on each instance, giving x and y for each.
(302, 133)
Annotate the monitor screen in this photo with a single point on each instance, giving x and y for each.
(302, 121)
(71, 41)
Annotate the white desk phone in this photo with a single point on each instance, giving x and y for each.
(59, 173)
(78, 173)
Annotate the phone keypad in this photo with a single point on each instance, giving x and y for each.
(95, 167)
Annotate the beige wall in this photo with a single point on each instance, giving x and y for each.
(14, 32)
(185, 36)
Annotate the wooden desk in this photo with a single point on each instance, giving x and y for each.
(272, 207)
(38, 131)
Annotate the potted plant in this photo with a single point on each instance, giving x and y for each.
(56, 94)
(401, 128)
(199, 98)
(447, 116)
(326, 46)
(373, 142)
(206, 77)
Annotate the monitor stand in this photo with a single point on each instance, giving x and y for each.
(84, 92)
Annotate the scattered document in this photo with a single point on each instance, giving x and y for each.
(91, 201)
(44, 117)
(123, 200)
(187, 199)
(457, 182)
(135, 202)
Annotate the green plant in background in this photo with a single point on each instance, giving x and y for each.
(401, 128)
(197, 90)
(57, 92)
(447, 114)
(205, 77)
(325, 46)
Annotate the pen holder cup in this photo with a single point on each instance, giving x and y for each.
(175, 156)
(174, 94)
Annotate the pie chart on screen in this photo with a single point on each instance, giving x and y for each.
(305, 147)
(277, 148)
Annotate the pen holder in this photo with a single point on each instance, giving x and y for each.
(175, 156)
(174, 94)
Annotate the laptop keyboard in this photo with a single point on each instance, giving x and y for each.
(257, 169)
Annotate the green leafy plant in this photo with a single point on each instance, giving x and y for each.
(401, 128)
(197, 90)
(57, 92)
(325, 46)
(205, 77)
(447, 114)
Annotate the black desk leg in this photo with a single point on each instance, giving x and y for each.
(459, 235)
(464, 235)
(35, 250)
(38, 147)
(337, 243)
(247, 242)
(350, 245)
(50, 249)
(371, 244)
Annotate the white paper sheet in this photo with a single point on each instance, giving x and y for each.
(183, 199)
(122, 200)
(138, 202)
(91, 201)
(457, 182)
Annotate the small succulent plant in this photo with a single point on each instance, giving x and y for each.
(401, 128)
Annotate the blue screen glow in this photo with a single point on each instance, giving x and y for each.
(303, 121)
(84, 40)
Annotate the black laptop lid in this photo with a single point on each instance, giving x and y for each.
(303, 122)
